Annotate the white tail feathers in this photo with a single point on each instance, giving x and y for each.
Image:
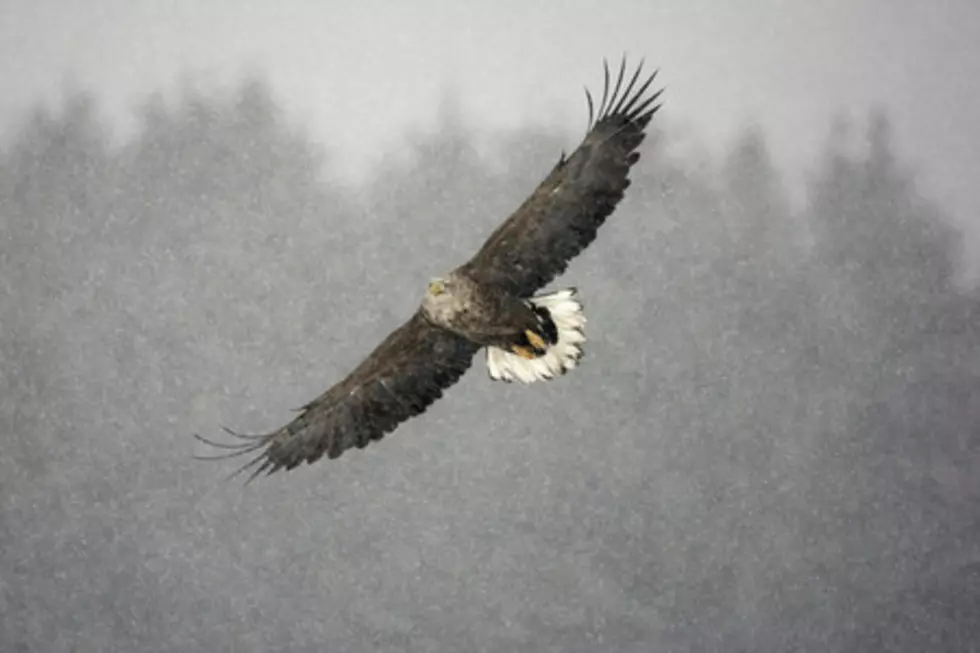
(566, 313)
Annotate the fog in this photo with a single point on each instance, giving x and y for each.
(770, 445)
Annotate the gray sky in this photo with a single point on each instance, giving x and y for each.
(359, 73)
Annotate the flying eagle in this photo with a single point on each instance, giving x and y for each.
(489, 302)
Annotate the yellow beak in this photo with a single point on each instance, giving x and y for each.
(437, 287)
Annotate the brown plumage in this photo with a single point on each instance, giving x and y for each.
(563, 214)
(487, 302)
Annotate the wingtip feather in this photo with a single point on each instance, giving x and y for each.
(624, 102)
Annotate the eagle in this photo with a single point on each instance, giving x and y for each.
(492, 302)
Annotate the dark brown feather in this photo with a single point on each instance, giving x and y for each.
(401, 378)
(563, 215)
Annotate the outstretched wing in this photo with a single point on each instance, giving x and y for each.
(562, 216)
(400, 379)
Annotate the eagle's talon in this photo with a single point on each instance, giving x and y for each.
(524, 352)
(536, 341)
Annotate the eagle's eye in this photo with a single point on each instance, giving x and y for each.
(437, 287)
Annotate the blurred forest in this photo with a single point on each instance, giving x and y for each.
(771, 444)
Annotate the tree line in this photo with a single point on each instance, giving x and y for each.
(199, 259)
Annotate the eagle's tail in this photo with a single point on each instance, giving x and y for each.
(560, 356)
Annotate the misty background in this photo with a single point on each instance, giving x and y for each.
(770, 446)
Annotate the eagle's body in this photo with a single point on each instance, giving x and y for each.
(483, 313)
(490, 302)
(526, 338)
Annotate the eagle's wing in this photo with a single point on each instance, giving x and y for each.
(562, 216)
(400, 379)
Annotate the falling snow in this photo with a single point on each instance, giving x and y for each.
(770, 446)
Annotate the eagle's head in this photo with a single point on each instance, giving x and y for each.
(437, 287)
(442, 300)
